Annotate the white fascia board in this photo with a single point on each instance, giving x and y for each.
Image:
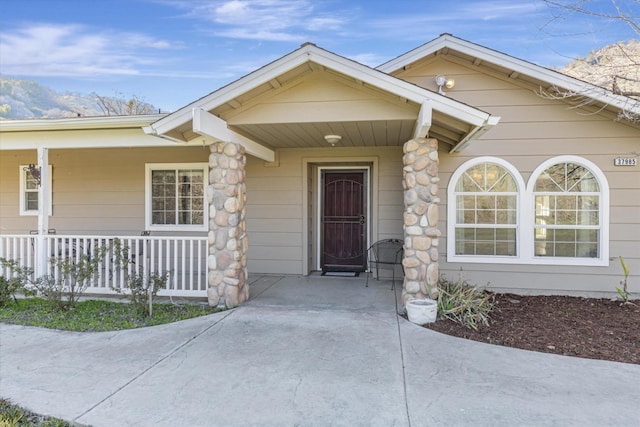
(232, 90)
(82, 138)
(413, 55)
(475, 133)
(512, 63)
(78, 123)
(215, 128)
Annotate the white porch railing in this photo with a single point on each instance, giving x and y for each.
(182, 259)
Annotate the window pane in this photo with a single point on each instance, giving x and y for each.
(564, 249)
(565, 217)
(30, 183)
(506, 248)
(178, 196)
(486, 216)
(569, 209)
(587, 236)
(31, 201)
(565, 202)
(488, 207)
(587, 250)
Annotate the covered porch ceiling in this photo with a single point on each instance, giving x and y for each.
(297, 100)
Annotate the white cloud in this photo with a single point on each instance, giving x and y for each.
(74, 50)
(269, 20)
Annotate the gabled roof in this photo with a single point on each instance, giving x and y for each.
(457, 121)
(515, 68)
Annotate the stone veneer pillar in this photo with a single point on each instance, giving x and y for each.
(228, 242)
(421, 234)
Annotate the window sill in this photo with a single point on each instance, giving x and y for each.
(587, 262)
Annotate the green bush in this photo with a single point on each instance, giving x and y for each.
(73, 277)
(15, 283)
(141, 287)
(463, 303)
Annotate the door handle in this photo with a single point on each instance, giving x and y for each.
(362, 220)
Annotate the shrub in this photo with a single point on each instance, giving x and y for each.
(141, 287)
(9, 286)
(463, 303)
(73, 276)
(623, 292)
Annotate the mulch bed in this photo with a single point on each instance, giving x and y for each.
(571, 326)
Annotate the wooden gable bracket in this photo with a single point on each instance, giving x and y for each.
(275, 83)
(423, 123)
(206, 124)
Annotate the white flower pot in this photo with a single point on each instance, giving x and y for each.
(421, 311)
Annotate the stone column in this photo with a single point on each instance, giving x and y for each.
(228, 243)
(421, 234)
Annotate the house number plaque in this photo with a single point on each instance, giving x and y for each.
(625, 161)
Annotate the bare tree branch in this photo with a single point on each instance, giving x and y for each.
(615, 67)
(118, 105)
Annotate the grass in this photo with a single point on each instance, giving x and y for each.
(95, 315)
(12, 415)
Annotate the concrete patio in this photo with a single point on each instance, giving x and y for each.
(306, 351)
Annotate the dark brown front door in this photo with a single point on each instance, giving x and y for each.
(344, 220)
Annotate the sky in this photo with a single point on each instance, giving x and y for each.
(172, 52)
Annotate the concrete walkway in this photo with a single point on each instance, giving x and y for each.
(306, 352)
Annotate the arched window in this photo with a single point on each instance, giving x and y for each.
(570, 208)
(483, 216)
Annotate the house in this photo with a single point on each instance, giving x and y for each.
(300, 165)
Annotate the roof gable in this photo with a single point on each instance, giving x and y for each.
(266, 81)
(545, 78)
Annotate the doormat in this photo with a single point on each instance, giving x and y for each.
(341, 273)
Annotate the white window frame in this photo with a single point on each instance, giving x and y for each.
(525, 243)
(603, 215)
(452, 208)
(149, 167)
(23, 188)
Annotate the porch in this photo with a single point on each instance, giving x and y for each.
(182, 259)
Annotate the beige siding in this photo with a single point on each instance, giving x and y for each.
(95, 191)
(101, 191)
(533, 129)
(275, 203)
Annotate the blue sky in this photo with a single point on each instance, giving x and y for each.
(171, 52)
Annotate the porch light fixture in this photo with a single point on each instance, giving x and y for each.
(441, 81)
(332, 139)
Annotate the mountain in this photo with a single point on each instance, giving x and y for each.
(27, 99)
(615, 67)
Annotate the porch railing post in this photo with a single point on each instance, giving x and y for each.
(43, 212)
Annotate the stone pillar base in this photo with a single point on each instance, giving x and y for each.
(228, 242)
(420, 219)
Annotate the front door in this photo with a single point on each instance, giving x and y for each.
(343, 220)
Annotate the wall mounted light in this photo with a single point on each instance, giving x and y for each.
(443, 81)
(332, 139)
